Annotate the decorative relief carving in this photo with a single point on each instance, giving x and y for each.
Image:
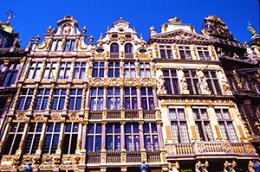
(201, 167)
(230, 167)
(55, 116)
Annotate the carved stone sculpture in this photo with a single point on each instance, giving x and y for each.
(183, 83)
(160, 82)
(230, 167)
(203, 82)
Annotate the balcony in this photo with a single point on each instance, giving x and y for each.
(149, 114)
(153, 157)
(97, 115)
(93, 158)
(113, 157)
(113, 114)
(210, 148)
(133, 157)
(129, 55)
(122, 157)
(130, 114)
(114, 55)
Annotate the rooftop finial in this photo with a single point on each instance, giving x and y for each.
(251, 29)
(10, 16)
(91, 38)
(84, 30)
(49, 29)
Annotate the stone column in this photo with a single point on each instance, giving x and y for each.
(141, 135)
(103, 137)
(8, 122)
(19, 151)
(33, 97)
(39, 149)
(50, 98)
(155, 98)
(122, 136)
(160, 135)
(79, 138)
(66, 104)
(59, 147)
(121, 97)
(84, 136)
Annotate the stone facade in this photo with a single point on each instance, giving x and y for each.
(111, 105)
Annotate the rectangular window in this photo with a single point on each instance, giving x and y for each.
(58, 99)
(202, 124)
(151, 142)
(10, 74)
(113, 69)
(33, 138)
(50, 70)
(185, 52)
(75, 99)
(52, 137)
(70, 138)
(113, 98)
(64, 70)
(145, 71)
(42, 99)
(147, 98)
(179, 126)
(56, 44)
(34, 70)
(171, 81)
(166, 52)
(212, 81)
(25, 99)
(98, 69)
(94, 134)
(132, 137)
(96, 98)
(69, 45)
(79, 70)
(130, 98)
(192, 81)
(13, 139)
(113, 133)
(129, 70)
(203, 53)
(226, 126)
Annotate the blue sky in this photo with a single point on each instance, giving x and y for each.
(32, 17)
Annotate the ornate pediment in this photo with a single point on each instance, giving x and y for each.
(180, 35)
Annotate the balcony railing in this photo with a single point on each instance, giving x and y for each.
(95, 115)
(129, 55)
(149, 114)
(93, 158)
(114, 55)
(153, 157)
(113, 157)
(131, 114)
(216, 148)
(133, 157)
(113, 114)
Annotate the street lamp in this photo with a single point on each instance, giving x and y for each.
(143, 167)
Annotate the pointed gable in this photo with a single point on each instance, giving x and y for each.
(180, 36)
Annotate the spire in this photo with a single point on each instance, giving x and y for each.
(10, 16)
(251, 29)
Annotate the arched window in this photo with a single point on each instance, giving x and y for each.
(114, 48)
(128, 48)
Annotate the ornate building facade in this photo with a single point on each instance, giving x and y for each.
(111, 105)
